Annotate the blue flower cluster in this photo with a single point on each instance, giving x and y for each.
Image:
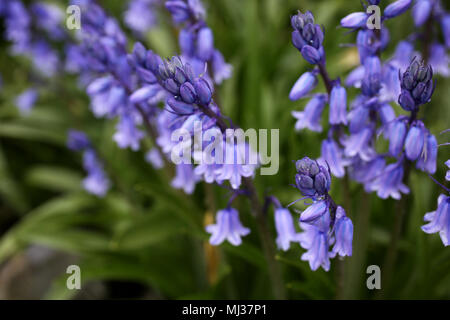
(96, 182)
(324, 223)
(32, 32)
(196, 40)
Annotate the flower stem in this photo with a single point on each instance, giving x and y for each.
(267, 243)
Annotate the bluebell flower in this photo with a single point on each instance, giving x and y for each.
(185, 178)
(332, 156)
(390, 86)
(221, 69)
(44, 58)
(369, 43)
(343, 233)
(49, 17)
(421, 11)
(372, 78)
(428, 157)
(439, 220)
(396, 8)
(414, 141)
(358, 117)
(286, 233)
(228, 227)
(439, 59)
(96, 181)
(338, 105)
(26, 100)
(240, 161)
(205, 44)
(140, 16)
(404, 53)
(354, 20)
(77, 140)
(360, 144)
(366, 172)
(315, 241)
(127, 135)
(314, 211)
(355, 77)
(311, 116)
(397, 135)
(303, 86)
(389, 183)
(154, 157)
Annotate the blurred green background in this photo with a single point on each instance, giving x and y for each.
(147, 240)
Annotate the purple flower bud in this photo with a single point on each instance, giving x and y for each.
(447, 163)
(187, 92)
(396, 8)
(406, 101)
(397, 134)
(205, 44)
(179, 106)
(144, 93)
(99, 85)
(421, 11)
(338, 105)
(171, 86)
(427, 160)
(414, 142)
(303, 86)
(305, 184)
(311, 54)
(354, 20)
(307, 166)
(204, 92)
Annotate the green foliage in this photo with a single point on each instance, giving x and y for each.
(145, 231)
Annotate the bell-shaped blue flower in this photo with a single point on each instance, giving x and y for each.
(315, 241)
(397, 134)
(331, 154)
(414, 141)
(389, 183)
(311, 116)
(439, 220)
(396, 8)
(286, 233)
(303, 86)
(421, 11)
(343, 234)
(228, 227)
(354, 20)
(428, 158)
(338, 105)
